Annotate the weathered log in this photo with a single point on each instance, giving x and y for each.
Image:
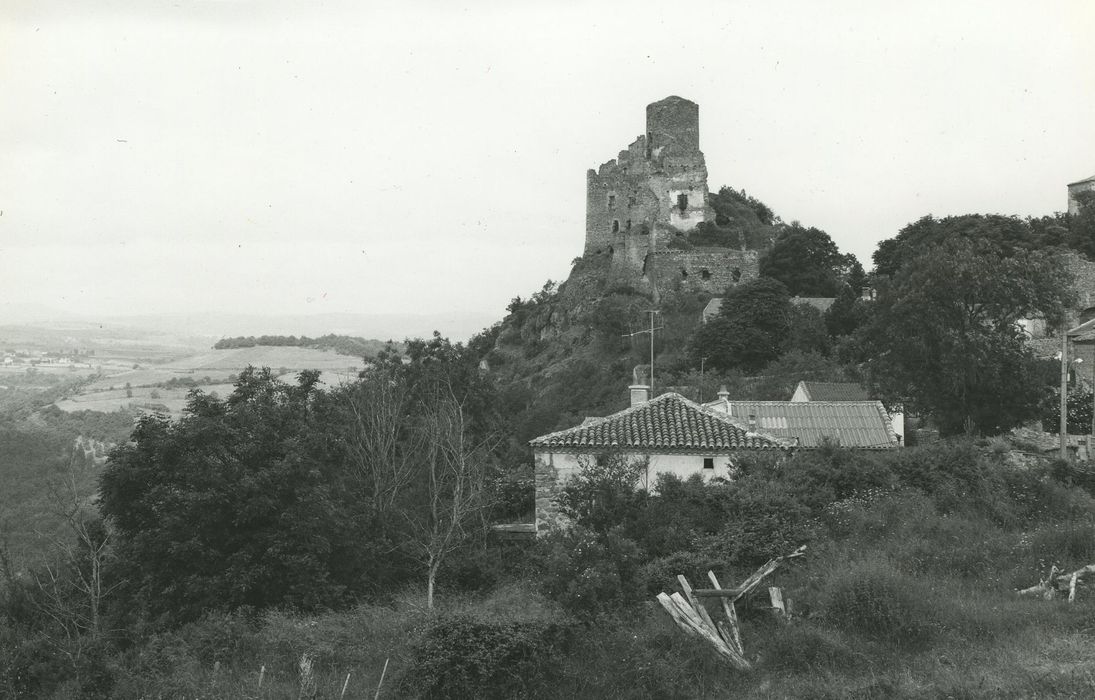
(697, 605)
(753, 581)
(692, 617)
(1059, 582)
(689, 620)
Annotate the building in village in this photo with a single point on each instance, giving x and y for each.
(642, 205)
(855, 424)
(670, 433)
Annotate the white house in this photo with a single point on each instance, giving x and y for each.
(675, 435)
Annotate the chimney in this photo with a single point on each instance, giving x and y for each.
(640, 394)
(724, 397)
(752, 422)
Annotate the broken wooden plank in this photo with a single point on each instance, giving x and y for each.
(775, 596)
(697, 605)
(730, 630)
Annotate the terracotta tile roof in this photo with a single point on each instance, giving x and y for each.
(834, 391)
(860, 424)
(669, 422)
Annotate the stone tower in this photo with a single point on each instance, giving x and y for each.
(653, 190)
(652, 193)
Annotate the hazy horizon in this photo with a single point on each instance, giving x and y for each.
(279, 158)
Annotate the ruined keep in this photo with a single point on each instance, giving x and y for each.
(655, 193)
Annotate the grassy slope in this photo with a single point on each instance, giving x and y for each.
(903, 594)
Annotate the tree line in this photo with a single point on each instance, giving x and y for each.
(342, 344)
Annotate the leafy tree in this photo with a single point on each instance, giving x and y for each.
(1079, 412)
(944, 333)
(807, 262)
(1003, 235)
(236, 504)
(751, 329)
(806, 330)
(847, 313)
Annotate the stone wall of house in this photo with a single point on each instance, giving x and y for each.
(548, 490)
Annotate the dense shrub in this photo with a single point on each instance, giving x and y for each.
(660, 574)
(588, 572)
(461, 657)
(874, 600)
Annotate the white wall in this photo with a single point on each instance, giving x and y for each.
(681, 465)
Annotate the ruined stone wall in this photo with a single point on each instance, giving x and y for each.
(1074, 191)
(1084, 272)
(709, 270)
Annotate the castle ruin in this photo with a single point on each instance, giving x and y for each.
(641, 206)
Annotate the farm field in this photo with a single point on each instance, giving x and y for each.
(147, 387)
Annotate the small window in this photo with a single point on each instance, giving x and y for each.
(682, 201)
(615, 226)
(631, 201)
(735, 274)
(708, 462)
(706, 274)
(684, 274)
(627, 226)
(611, 201)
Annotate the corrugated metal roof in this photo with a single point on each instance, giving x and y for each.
(669, 422)
(834, 391)
(862, 424)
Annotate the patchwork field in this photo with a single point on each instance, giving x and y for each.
(164, 387)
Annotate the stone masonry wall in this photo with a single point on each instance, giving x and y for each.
(710, 270)
(548, 490)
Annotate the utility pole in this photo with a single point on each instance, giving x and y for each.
(1064, 394)
(650, 330)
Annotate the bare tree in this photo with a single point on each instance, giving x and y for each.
(381, 443)
(453, 469)
(71, 588)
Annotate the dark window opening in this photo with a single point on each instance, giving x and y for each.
(627, 226)
(705, 274)
(611, 201)
(684, 273)
(630, 201)
(735, 274)
(682, 201)
(611, 250)
(708, 462)
(615, 226)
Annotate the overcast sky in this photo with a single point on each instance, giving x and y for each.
(407, 157)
